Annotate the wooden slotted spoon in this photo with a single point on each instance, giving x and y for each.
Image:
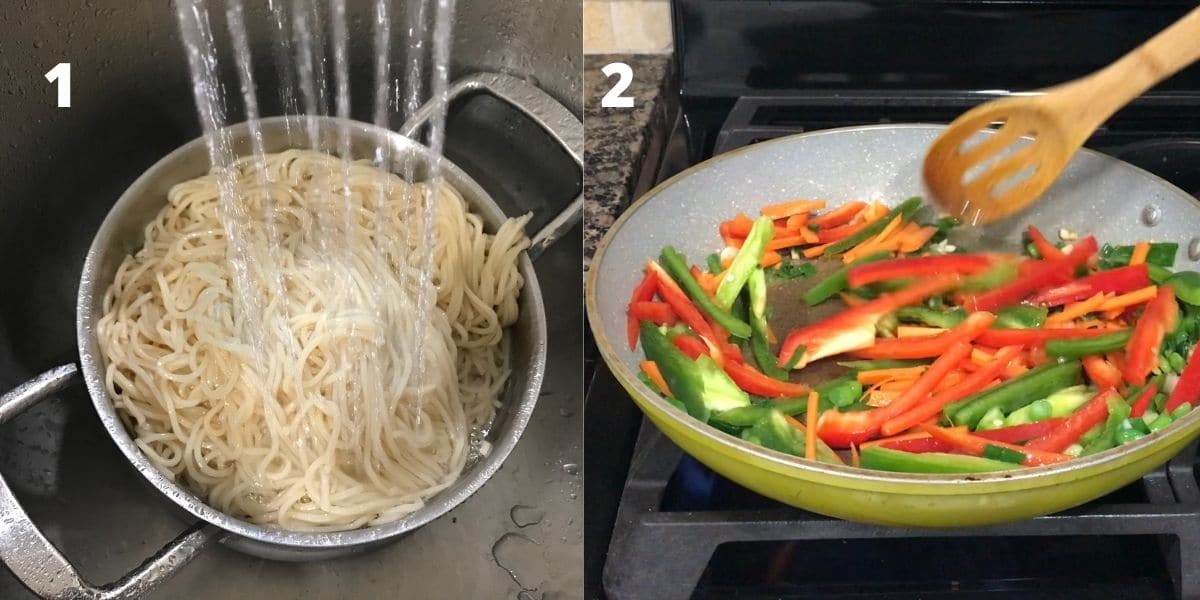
(983, 184)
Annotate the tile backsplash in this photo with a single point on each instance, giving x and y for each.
(626, 26)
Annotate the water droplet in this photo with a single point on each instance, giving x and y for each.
(1151, 214)
(1194, 249)
(524, 516)
(563, 412)
(516, 554)
(571, 468)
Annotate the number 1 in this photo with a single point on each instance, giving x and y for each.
(61, 73)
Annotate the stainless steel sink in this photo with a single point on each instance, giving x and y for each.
(61, 169)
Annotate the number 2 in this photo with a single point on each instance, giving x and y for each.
(61, 73)
(614, 99)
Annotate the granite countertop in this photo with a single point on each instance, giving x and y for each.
(618, 139)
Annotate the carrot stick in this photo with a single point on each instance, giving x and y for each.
(728, 237)
(981, 357)
(878, 375)
(787, 241)
(924, 385)
(930, 407)
(740, 225)
(650, 368)
(770, 258)
(896, 385)
(810, 436)
(839, 216)
(868, 245)
(915, 241)
(816, 251)
(1140, 251)
(1138, 296)
(795, 207)
(855, 461)
(796, 222)
(1076, 310)
(950, 380)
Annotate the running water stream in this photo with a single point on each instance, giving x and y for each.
(310, 46)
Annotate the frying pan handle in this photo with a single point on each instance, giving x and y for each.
(38, 564)
(539, 107)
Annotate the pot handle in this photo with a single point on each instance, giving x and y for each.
(543, 110)
(38, 564)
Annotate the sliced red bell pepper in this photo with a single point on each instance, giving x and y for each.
(642, 293)
(1187, 389)
(658, 312)
(690, 345)
(918, 445)
(854, 328)
(1037, 337)
(1034, 275)
(1159, 318)
(1044, 247)
(842, 429)
(917, 266)
(1016, 434)
(975, 445)
(754, 381)
(1102, 373)
(928, 346)
(693, 347)
(1116, 281)
(1087, 417)
(686, 311)
(1143, 401)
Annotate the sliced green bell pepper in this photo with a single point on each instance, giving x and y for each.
(837, 280)
(1187, 286)
(676, 266)
(1080, 347)
(1015, 393)
(1161, 254)
(946, 319)
(840, 392)
(884, 459)
(776, 433)
(1020, 316)
(1059, 404)
(756, 287)
(700, 385)
(1118, 413)
(745, 262)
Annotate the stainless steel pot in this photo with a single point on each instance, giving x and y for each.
(40, 566)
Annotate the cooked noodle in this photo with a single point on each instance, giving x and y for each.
(326, 402)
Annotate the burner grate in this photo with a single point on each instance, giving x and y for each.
(657, 553)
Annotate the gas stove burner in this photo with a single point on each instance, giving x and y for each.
(1177, 161)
